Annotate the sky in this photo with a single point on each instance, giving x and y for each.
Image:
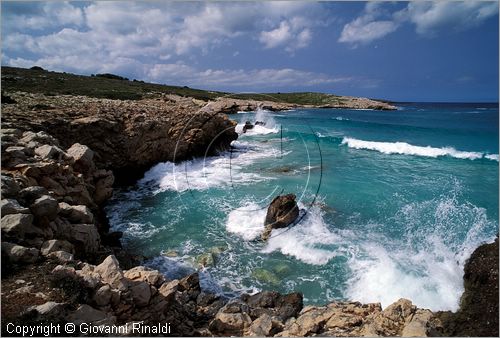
(400, 51)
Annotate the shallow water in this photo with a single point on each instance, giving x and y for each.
(394, 202)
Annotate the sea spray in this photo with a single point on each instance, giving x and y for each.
(426, 266)
(261, 115)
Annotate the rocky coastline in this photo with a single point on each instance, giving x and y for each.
(61, 158)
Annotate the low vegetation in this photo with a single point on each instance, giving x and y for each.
(111, 86)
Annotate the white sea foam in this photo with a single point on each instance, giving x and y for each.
(340, 118)
(261, 115)
(426, 268)
(215, 171)
(246, 221)
(408, 149)
(257, 130)
(308, 241)
(493, 157)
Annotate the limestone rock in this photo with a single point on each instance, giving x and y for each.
(40, 137)
(76, 213)
(111, 273)
(50, 308)
(191, 282)
(56, 245)
(168, 290)
(103, 186)
(61, 256)
(87, 314)
(141, 273)
(82, 155)
(11, 206)
(262, 326)
(28, 195)
(86, 237)
(230, 324)
(141, 293)
(418, 325)
(103, 296)
(48, 152)
(19, 254)
(19, 225)
(45, 206)
(282, 212)
(10, 187)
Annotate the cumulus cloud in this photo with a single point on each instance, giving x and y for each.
(145, 39)
(294, 34)
(374, 23)
(42, 16)
(428, 17)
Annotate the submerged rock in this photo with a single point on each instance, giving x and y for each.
(265, 276)
(282, 269)
(282, 212)
(206, 259)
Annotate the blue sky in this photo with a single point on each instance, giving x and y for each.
(403, 51)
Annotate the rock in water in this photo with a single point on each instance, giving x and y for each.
(282, 212)
(248, 125)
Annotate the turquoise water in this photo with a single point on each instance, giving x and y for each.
(393, 203)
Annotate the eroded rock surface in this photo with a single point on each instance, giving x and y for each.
(282, 212)
(127, 137)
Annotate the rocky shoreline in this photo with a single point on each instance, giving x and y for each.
(61, 157)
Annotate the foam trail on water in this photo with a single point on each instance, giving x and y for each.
(215, 171)
(408, 149)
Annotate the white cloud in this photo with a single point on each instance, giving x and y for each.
(166, 28)
(276, 37)
(254, 78)
(50, 14)
(294, 34)
(363, 30)
(429, 17)
(369, 26)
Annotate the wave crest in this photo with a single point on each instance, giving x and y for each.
(404, 148)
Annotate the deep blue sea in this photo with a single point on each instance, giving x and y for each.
(394, 202)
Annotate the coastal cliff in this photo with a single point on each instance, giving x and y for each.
(60, 158)
(127, 136)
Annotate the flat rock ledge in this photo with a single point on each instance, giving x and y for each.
(60, 263)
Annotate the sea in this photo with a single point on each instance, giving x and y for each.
(392, 205)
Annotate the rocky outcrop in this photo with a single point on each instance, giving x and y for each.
(51, 198)
(478, 313)
(282, 212)
(230, 105)
(127, 137)
(105, 294)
